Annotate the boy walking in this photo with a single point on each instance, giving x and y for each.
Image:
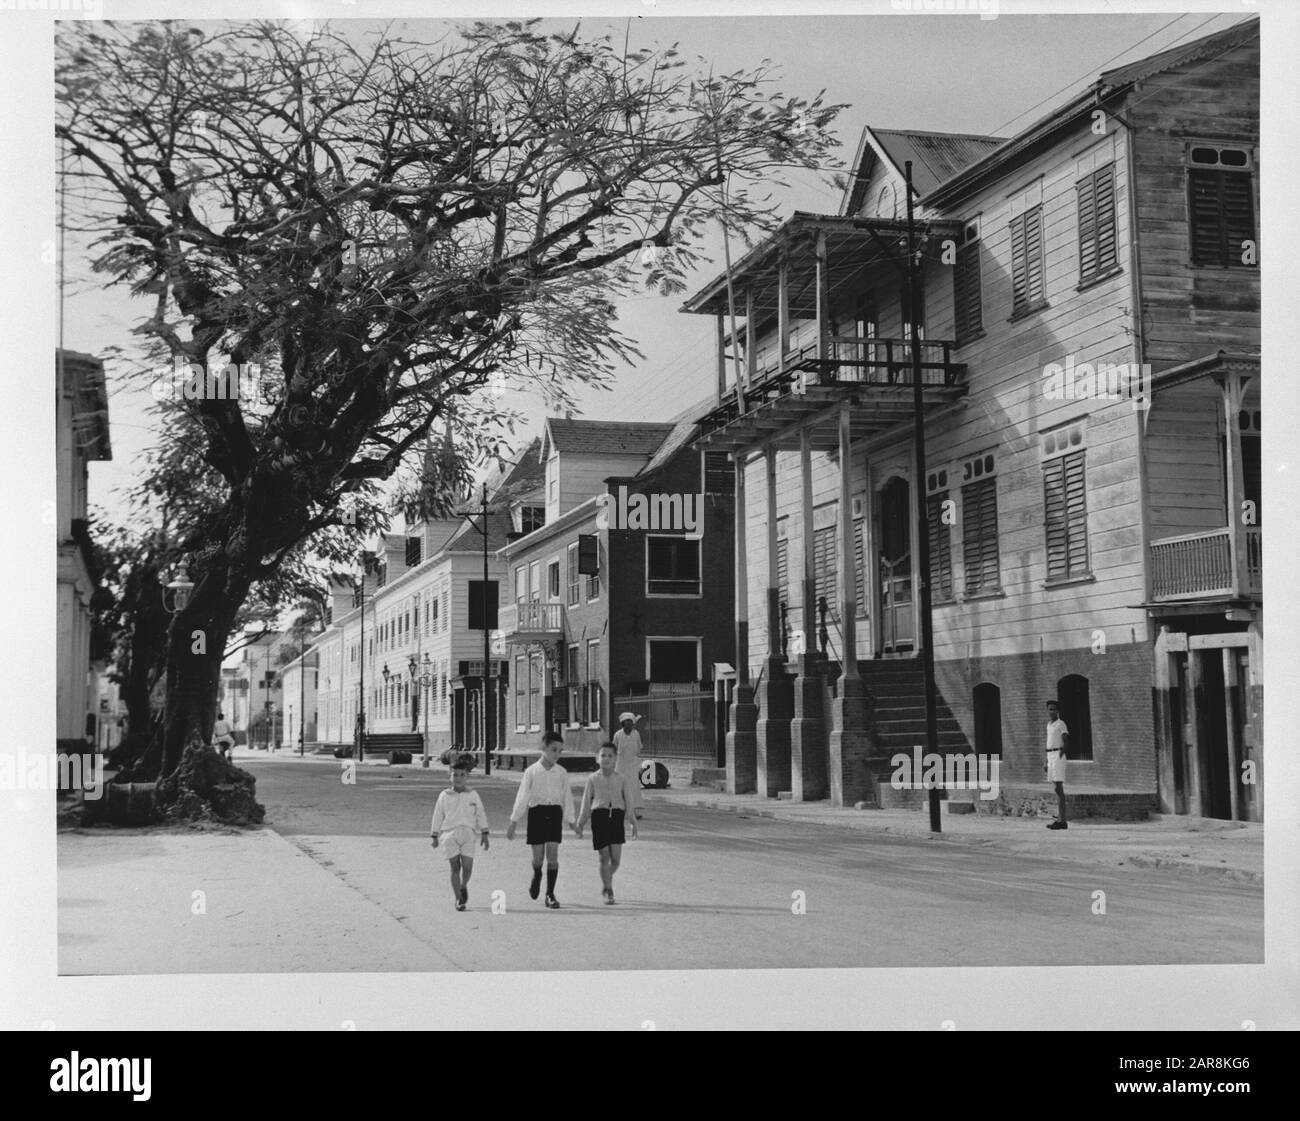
(1058, 736)
(606, 803)
(457, 816)
(545, 799)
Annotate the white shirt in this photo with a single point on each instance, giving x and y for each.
(628, 743)
(601, 793)
(1056, 733)
(543, 787)
(221, 730)
(459, 807)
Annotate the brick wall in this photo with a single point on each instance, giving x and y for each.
(1123, 727)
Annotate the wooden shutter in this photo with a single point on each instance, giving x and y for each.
(859, 566)
(979, 502)
(1027, 259)
(966, 292)
(1066, 516)
(1222, 213)
(1097, 246)
(940, 548)
(783, 570)
(824, 564)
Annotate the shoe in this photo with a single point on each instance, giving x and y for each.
(460, 904)
(552, 903)
(536, 885)
(464, 895)
(609, 895)
(1057, 825)
(639, 815)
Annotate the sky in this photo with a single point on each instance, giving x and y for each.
(946, 73)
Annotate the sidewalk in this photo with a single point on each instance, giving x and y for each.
(1231, 849)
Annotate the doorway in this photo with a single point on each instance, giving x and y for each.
(894, 557)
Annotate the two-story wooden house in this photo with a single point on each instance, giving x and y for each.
(623, 598)
(1089, 360)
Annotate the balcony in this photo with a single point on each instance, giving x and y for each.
(1201, 566)
(532, 622)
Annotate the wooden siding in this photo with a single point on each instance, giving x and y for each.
(1189, 311)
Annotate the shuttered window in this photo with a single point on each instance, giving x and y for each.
(979, 514)
(940, 548)
(572, 576)
(1097, 250)
(966, 293)
(1066, 509)
(1222, 212)
(859, 565)
(783, 570)
(1027, 260)
(824, 568)
(719, 475)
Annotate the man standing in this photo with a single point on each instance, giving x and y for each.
(223, 735)
(628, 742)
(1058, 736)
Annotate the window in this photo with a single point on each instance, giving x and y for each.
(534, 581)
(595, 705)
(672, 566)
(1027, 287)
(521, 712)
(1076, 711)
(940, 540)
(446, 608)
(553, 579)
(536, 667)
(824, 567)
(783, 570)
(1065, 503)
(1097, 247)
(1221, 206)
(968, 313)
(435, 615)
(719, 475)
(979, 508)
(675, 660)
(577, 686)
(553, 479)
(988, 719)
(521, 583)
(413, 549)
(575, 583)
(531, 518)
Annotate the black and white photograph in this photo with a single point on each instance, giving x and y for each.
(725, 518)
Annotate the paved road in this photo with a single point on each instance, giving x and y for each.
(708, 890)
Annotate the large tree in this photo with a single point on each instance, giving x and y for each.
(386, 228)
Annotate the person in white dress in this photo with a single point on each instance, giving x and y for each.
(1058, 738)
(628, 741)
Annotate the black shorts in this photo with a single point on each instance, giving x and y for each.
(545, 824)
(607, 828)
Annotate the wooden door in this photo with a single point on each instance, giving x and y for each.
(895, 564)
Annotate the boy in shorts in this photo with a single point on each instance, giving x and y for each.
(607, 802)
(545, 798)
(457, 816)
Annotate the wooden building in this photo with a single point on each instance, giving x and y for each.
(1089, 360)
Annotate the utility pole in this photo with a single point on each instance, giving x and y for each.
(922, 517)
(302, 690)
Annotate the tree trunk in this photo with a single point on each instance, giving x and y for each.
(144, 607)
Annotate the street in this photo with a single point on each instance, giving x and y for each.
(707, 890)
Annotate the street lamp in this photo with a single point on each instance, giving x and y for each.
(426, 680)
(180, 589)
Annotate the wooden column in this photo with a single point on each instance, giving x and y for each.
(1192, 733)
(742, 577)
(742, 739)
(773, 583)
(823, 299)
(848, 585)
(783, 310)
(809, 762)
(773, 695)
(1232, 394)
(1230, 719)
(806, 534)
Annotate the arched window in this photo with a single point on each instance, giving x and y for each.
(988, 719)
(1072, 695)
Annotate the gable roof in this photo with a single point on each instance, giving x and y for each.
(935, 156)
(1111, 84)
(520, 478)
(603, 437)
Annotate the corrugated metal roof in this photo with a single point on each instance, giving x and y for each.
(604, 437)
(1197, 49)
(935, 156)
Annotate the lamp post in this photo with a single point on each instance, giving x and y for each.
(488, 714)
(180, 589)
(426, 679)
(302, 690)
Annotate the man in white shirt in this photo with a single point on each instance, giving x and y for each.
(545, 799)
(223, 735)
(628, 742)
(1058, 737)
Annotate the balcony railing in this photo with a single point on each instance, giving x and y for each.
(851, 360)
(532, 621)
(1199, 565)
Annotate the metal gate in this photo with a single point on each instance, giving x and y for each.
(676, 723)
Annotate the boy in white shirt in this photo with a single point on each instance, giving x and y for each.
(458, 814)
(544, 796)
(607, 803)
(1058, 737)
